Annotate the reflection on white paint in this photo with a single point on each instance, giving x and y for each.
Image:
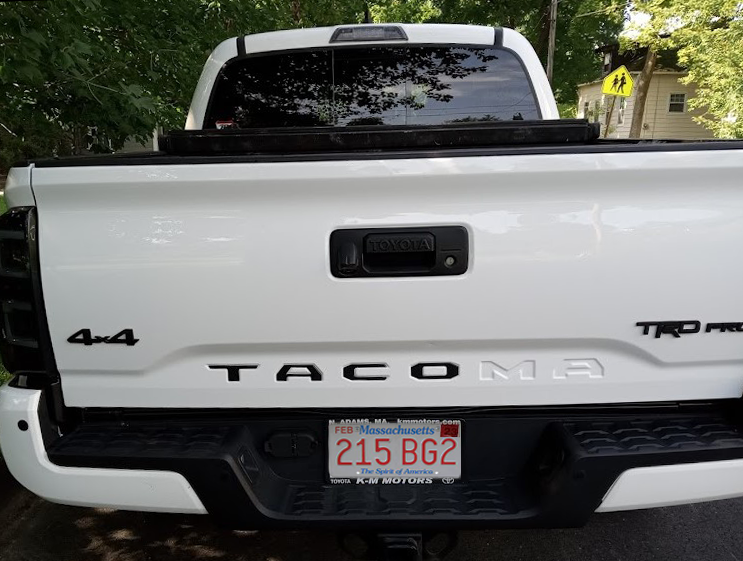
(632, 217)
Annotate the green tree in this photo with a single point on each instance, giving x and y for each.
(316, 13)
(79, 75)
(582, 25)
(411, 11)
(710, 48)
(88, 74)
(652, 33)
(708, 35)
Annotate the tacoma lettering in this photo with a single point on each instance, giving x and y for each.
(350, 372)
(487, 371)
(233, 370)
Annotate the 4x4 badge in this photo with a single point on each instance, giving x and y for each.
(85, 337)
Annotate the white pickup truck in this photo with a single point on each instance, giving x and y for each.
(377, 284)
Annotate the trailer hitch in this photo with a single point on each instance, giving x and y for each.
(398, 546)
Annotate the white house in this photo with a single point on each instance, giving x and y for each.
(667, 113)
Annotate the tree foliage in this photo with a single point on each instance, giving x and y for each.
(708, 35)
(411, 11)
(80, 75)
(88, 74)
(582, 26)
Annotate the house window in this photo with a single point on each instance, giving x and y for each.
(677, 103)
(586, 109)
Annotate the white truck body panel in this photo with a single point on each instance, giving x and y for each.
(211, 264)
(123, 489)
(542, 89)
(18, 188)
(659, 486)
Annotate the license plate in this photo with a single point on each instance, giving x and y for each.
(388, 452)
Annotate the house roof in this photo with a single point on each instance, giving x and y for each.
(634, 59)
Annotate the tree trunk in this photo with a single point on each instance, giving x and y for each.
(551, 43)
(641, 95)
(544, 30)
(296, 12)
(77, 140)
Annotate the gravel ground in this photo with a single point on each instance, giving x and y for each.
(35, 530)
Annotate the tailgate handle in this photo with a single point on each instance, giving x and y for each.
(399, 252)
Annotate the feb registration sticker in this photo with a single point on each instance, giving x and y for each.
(401, 452)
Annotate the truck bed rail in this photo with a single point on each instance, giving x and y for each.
(378, 137)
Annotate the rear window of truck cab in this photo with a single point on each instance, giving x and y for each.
(379, 85)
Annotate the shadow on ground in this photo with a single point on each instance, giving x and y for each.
(34, 530)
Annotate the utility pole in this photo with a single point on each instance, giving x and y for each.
(551, 43)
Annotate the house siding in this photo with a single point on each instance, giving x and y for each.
(657, 121)
(589, 93)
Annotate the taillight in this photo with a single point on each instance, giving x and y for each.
(23, 327)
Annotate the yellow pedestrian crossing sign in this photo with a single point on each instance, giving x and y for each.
(618, 82)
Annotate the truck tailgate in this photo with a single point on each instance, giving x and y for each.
(228, 264)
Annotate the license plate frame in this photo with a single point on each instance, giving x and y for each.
(401, 451)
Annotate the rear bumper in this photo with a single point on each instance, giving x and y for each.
(27, 459)
(520, 469)
(657, 486)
